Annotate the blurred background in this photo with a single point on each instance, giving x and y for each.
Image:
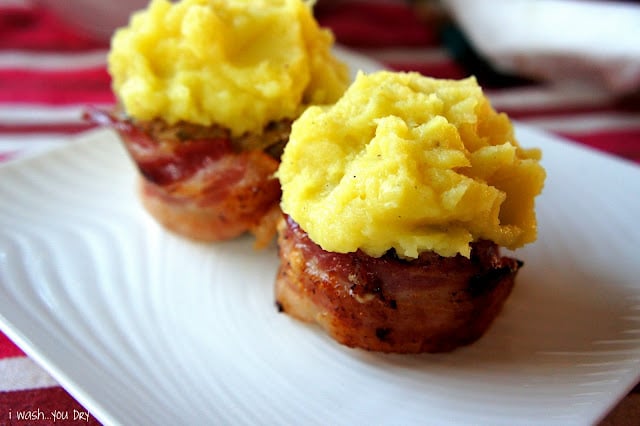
(594, 43)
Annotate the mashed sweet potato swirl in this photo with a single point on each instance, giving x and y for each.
(234, 63)
(410, 163)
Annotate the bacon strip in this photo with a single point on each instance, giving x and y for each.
(201, 188)
(388, 304)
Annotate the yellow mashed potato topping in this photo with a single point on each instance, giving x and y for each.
(411, 163)
(236, 63)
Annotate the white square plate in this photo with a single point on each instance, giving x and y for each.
(143, 327)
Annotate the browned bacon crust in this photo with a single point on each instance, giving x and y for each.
(202, 184)
(430, 304)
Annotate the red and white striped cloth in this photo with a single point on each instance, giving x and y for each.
(49, 73)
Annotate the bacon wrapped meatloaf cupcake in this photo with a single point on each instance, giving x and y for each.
(397, 200)
(207, 91)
